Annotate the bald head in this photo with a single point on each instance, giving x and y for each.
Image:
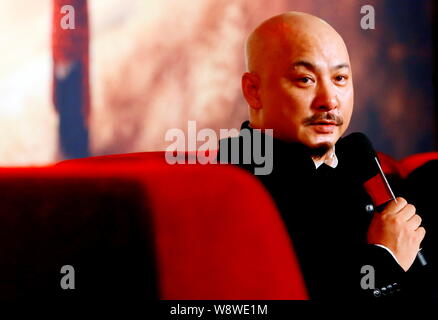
(283, 33)
(298, 80)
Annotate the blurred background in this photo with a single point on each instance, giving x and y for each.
(132, 69)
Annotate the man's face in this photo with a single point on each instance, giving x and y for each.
(306, 90)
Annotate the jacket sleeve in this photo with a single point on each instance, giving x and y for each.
(380, 274)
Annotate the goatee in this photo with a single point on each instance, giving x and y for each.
(320, 150)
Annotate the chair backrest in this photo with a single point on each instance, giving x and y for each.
(415, 161)
(54, 218)
(216, 233)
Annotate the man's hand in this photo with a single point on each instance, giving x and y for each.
(398, 228)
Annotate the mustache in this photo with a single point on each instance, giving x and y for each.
(325, 116)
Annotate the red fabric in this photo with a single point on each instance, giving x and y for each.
(405, 166)
(49, 219)
(212, 240)
(216, 242)
(389, 165)
(136, 157)
(411, 163)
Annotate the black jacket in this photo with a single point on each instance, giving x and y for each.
(326, 214)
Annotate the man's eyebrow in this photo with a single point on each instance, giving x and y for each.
(342, 65)
(312, 67)
(305, 64)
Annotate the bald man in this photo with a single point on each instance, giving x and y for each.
(299, 83)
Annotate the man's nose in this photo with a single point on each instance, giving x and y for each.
(326, 98)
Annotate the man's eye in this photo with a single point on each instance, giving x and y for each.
(305, 80)
(341, 78)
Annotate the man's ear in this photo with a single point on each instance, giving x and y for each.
(250, 89)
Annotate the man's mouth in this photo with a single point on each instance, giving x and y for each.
(324, 126)
(324, 123)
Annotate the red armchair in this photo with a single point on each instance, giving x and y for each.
(209, 238)
(154, 229)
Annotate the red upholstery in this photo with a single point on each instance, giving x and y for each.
(390, 166)
(50, 218)
(212, 240)
(215, 242)
(410, 163)
(404, 167)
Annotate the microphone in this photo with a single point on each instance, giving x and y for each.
(362, 155)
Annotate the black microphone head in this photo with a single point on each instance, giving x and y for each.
(357, 154)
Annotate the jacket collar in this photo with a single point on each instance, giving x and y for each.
(288, 154)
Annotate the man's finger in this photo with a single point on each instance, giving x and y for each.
(421, 232)
(395, 206)
(415, 221)
(407, 213)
